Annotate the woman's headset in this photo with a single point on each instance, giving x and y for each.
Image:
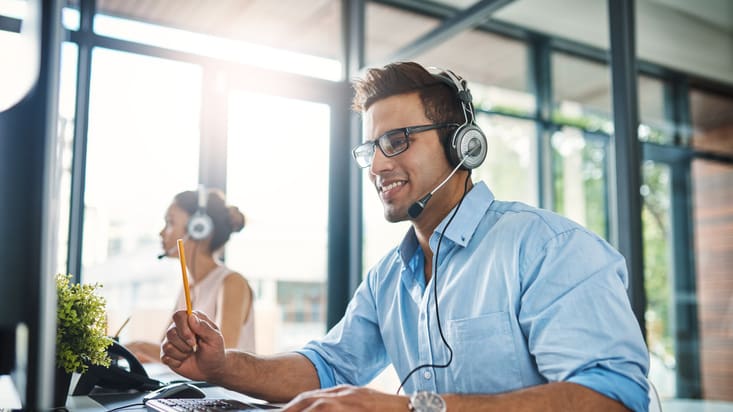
(468, 144)
(200, 226)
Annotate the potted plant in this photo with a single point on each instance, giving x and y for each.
(81, 338)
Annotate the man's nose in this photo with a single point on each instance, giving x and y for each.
(380, 162)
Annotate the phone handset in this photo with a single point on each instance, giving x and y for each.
(124, 373)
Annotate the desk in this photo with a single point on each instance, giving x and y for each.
(696, 405)
(101, 401)
(87, 404)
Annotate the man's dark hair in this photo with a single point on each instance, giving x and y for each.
(439, 99)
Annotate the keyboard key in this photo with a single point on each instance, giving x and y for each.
(203, 405)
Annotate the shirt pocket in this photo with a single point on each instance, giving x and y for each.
(484, 355)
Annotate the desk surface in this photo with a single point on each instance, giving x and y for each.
(106, 402)
(696, 405)
(9, 399)
(102, 401)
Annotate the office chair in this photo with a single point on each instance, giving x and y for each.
(655, 404)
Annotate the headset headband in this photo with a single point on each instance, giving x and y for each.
(467, 147)
(461, 88)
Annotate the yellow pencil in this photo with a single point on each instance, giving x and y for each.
(186, 291)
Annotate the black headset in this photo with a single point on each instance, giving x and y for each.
(468, 145)
(200, 224)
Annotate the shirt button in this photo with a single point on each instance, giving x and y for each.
(427, 375)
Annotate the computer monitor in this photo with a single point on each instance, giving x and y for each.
(28, 171)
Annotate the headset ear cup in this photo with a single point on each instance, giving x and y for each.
(468, 145)
(200, 226)
(452, 149)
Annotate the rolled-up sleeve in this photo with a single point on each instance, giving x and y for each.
(325, 372)
(352, 352)
(614, 386)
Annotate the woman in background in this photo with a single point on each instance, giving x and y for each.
(205, 225)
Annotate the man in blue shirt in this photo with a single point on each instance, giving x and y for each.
(531, 310)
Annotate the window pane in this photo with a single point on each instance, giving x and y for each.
(712, 122)
(70, 16)
(713, 231)
(580, 178)
(510, 168)
(584, 104)
(658, 278)
(142, 150)
(655, 127)
(279, 179)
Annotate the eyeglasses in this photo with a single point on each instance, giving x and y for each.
(392, 143)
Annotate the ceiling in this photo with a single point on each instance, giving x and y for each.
(690, 36)
(694, 37)
(311, 27)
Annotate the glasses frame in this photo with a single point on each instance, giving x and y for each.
(384, 138)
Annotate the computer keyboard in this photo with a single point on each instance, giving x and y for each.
(191, 405)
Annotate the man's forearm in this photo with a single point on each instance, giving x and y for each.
(276, 378)
(558, 396)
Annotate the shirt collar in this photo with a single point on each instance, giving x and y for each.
(464, 224)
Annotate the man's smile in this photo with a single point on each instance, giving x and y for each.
(388, 189)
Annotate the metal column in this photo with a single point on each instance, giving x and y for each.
(81, 127)
(344, 197)
(626, 179)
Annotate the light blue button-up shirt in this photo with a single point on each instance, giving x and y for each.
(525, 297)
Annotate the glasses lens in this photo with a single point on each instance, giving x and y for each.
(363, 154)
(393, 143)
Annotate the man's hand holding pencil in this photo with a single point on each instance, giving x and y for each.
(194, 347)
(193, 344)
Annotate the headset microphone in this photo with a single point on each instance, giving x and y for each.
(417, 207)
(171, 250)
(167, 252)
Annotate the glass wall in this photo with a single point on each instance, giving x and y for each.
(656, 111)
(580, 178)
(659, 277)
(580, 144)
(143, 145)
(510, 168)
(712, 181)
(584, 104)
(277, 174)
(713, 231)
(712, 122)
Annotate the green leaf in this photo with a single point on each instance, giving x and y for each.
(80, 326)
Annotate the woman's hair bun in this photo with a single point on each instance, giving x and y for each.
(236, 219)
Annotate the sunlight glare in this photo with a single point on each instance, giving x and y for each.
(217, 47)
